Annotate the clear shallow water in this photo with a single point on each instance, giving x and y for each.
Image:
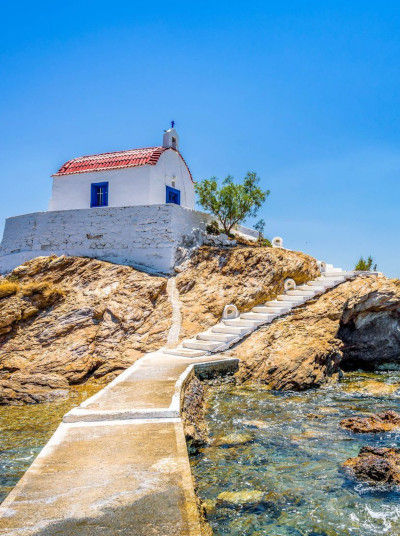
(297, 454)
(24, 430)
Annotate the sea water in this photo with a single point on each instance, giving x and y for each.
(24, 430)
(296, 454)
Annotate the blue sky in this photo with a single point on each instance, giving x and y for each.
(304, 93)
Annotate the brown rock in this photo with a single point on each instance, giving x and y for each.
(304, 349)
(373, 424)
(233, 440)
(371, 387)
(193, 416)
(28, 388)
(73, 319)
(375, 465)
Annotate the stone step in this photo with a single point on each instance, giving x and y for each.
(270, 309)
(240, 322)
(334, 274)
(330, 280)
(207, 346)
(221, 328)
(258, 316)
(184, 352)
(314, 287)
(291, 299)
(318, 284)
(300, 292)
(212, 336)
(273, 304)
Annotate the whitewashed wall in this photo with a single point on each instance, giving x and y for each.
(145, 236)
(170, 167)
(134, 186)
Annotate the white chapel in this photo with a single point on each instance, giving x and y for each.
(147, 176)
(134, 207)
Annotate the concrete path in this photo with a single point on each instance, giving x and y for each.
(118, 464)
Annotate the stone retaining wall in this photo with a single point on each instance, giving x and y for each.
(143, 236)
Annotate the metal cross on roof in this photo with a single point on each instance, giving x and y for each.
(172, 124)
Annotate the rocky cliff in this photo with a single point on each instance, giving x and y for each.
(100, 319)
(357, 324)
(67, 320)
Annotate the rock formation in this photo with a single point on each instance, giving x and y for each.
(373, 424)
(71, 319)
(193, 416)
(375, 465)
(66, 320)
(307, 348)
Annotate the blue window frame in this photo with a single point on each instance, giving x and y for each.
(173, 195)
(99, 194)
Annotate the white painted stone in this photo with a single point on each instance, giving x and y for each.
(277, 242)
(171, 138)
(230, 311)
(289, 284)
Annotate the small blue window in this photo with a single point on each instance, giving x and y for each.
(173, 195)
(99, 194)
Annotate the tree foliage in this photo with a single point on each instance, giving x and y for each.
(366, 265)
(233, 202)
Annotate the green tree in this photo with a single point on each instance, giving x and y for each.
(366, 265)
(233, 202)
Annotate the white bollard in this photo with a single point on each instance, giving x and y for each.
(277, 242)
(230, 311)
(289, 284)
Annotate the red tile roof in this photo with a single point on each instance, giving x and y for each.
(117, 160)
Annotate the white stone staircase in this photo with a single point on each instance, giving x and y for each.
(231, 330)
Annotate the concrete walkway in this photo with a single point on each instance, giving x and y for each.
(118, 464)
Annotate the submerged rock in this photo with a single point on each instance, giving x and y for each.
(255, 499)
(208, 507)
(260, 425)
(371, 387)
(233, 440)
(375, 465)
(246, 499)
(33, 388)
(373, 424)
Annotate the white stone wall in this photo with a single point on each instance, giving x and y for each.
(144, 185)
(145, 236)
(166, 171)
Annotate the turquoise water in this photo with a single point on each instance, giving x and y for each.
(296, 452)
(24, 430)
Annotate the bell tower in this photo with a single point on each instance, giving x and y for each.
(171, 138)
